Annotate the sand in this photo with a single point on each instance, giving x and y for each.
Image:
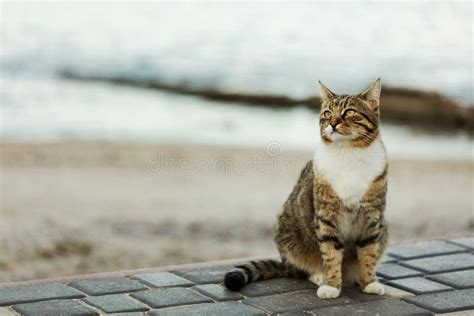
(81, 207)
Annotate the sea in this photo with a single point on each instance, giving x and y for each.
(263, 47)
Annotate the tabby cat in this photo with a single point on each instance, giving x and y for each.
(332, 228)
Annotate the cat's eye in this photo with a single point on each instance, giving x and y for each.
(327, 114)
(349, 113)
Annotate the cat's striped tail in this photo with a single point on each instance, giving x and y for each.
(259, 270)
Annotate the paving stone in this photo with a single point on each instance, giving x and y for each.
(115, 303)
(6, 311)
(419, 285)
(461, 313)
(424, 249)
(36, 292)
(445, 261)
(162, 279)
(222, 308)
(459, 279)
(440, 264)
(388, 259)
(107, 285)
(205, 275)
(54, 307)
(294, 301)
(276, 286)
(393, 292)
(467, 242)
(374, 308)
(356, 293)
(130, 314)
(217, 292)
(444, 302)
(170, 297)
(395, 271)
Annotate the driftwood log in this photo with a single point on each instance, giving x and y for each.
(421, 109)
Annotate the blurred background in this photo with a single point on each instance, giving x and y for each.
(144, 134)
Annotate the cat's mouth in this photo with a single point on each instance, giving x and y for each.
(334, 134)
(333, 130)
(340, 133)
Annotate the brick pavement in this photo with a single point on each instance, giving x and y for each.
(427, 278)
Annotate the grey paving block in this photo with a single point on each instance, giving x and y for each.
(440, 264)
(222, 308)
(393, 292)
(467, 242)
(459, 313)
(459, 279)
(389, 259)
(419, 285)
(107, 285)
(374, 308)
(294, 301)
(424, 249)
(356, 293)
(7, 311)
(217, 292)
(162, 279)
(170, 297)
(130, 314)
(116, 303)
(275, 286)
(205, 275)
(54, 307)
(445, 302)
(35, 293)
(396, 271)
(299, 313)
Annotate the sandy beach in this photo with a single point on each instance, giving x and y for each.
(81, 207)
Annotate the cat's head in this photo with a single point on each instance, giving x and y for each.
(350, 119)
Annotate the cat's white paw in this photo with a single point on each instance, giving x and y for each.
(374, 288)
(317, 278)
(326, 291)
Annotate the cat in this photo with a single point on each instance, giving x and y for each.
(332, 228)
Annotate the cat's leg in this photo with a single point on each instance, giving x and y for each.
(331, 253)
(317, 278)
(368, 258)
(370, 250)
(308, 259)
(331, 249)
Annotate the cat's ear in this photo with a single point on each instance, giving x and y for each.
(372, 94)
(326, 94)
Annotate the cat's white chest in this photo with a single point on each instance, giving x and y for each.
(350, 171)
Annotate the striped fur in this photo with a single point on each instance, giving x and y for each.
(260, 270)
(332, 227)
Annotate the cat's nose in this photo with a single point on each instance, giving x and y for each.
(333, 125)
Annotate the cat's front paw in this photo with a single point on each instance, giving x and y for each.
(374, 288)
(327, 291)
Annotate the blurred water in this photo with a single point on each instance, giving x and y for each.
(97, 112)
(270, 47)
(279, 48)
